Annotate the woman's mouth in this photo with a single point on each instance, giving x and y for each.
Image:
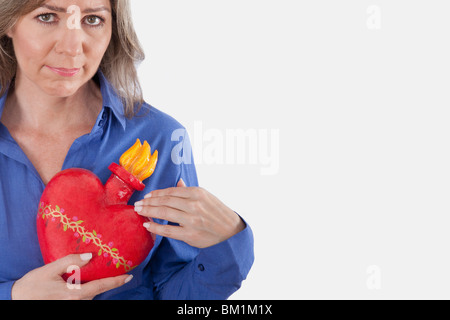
(65, 72)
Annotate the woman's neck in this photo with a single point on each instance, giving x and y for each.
(27, 106)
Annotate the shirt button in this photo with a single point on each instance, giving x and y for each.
(201, 267)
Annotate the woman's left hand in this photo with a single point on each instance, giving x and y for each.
(203, 220)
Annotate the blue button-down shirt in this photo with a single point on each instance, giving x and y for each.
(173, 269)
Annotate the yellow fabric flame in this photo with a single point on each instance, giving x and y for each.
(139, 161)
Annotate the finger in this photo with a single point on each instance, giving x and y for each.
(181, 184)
(96, 287)
(60, 266)
(184, 192)
(162, 213)
(168, 231)
(181, 204)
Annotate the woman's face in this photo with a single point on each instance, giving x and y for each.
(60, 45)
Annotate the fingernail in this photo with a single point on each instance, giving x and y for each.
(86, 256)
(139, 204)
(148, 196)
(129, 278)
(138, 209)
(147, 225)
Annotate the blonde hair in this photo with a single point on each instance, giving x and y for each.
(119, 62)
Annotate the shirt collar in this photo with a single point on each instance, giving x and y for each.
(2, 102)
(110, 99)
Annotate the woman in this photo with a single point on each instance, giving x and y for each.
(70, 97)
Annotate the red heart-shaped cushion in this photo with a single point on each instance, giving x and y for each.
(77, 214)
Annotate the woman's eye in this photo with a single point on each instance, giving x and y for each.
(47, 18)
(93, 21)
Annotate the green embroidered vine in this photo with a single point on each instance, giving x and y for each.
(76, 226)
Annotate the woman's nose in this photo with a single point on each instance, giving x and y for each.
(70, 42)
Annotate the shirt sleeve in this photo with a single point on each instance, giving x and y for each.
(5, 290)
(181, 272)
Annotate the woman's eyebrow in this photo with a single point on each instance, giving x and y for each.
(93, 10)
(88, 10)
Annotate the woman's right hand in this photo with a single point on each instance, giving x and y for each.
(46, 283)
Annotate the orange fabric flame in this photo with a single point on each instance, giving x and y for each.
(139, 161)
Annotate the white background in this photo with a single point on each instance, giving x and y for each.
(363, 120)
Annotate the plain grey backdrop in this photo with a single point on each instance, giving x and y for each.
(325, 124)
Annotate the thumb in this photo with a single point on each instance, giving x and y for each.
(181, 184)
(60, 266)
